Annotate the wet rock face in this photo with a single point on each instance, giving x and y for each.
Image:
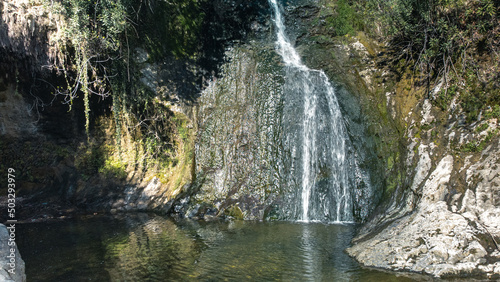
(350, 64)
(238, 138)
(242, 161)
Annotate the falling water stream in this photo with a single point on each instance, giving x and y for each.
(317, 137)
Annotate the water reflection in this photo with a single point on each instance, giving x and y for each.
(309, 255)
(152, 248)
(153, 251)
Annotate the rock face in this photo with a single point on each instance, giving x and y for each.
(7, 272)
(441, 211)
(239, 138)
(16, 117)
(447, 221)
(31, 30)
(434, 239)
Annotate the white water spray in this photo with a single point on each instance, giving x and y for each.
(320, 137)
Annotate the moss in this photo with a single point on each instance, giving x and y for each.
(99, 158)
(322, 39)
(383, 111)
(390, 162)
(89, 159)
(114, 167)
(180, 166)
(417, 135)
(235, 212)
(425, 126)
(479, 145)
(494, 112)
(166, 154)
(391, 185)
(482, 127)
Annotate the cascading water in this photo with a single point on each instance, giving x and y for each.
(316, 138)
(272, 141)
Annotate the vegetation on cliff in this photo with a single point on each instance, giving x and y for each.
(451, 46)
(134, 130)
(455, 44)
(99, 37)
(452, 43)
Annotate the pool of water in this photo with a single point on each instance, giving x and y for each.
(141, 247)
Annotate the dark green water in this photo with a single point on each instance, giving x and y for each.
(152, 248)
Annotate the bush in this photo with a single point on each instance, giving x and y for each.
(345, 19)
(448, 40)
(493, 113)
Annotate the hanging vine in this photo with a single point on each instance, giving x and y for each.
(89, 42)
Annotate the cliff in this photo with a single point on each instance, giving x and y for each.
(190, 126)
(436, 158)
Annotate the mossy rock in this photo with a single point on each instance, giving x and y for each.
(235, 212)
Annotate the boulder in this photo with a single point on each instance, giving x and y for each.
(11, 269)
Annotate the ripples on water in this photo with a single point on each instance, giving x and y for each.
(153, 248)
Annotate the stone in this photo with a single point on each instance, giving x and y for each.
(435, 187)
(10, 271)
(438, 241)
(423, 167)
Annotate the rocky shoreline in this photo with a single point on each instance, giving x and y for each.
(448, 224)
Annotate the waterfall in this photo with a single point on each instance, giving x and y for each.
(316, 138)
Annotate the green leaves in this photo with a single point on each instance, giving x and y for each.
(173, 28)
(344, 20)
(95, 25)
(443, 34)
(98, 32)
